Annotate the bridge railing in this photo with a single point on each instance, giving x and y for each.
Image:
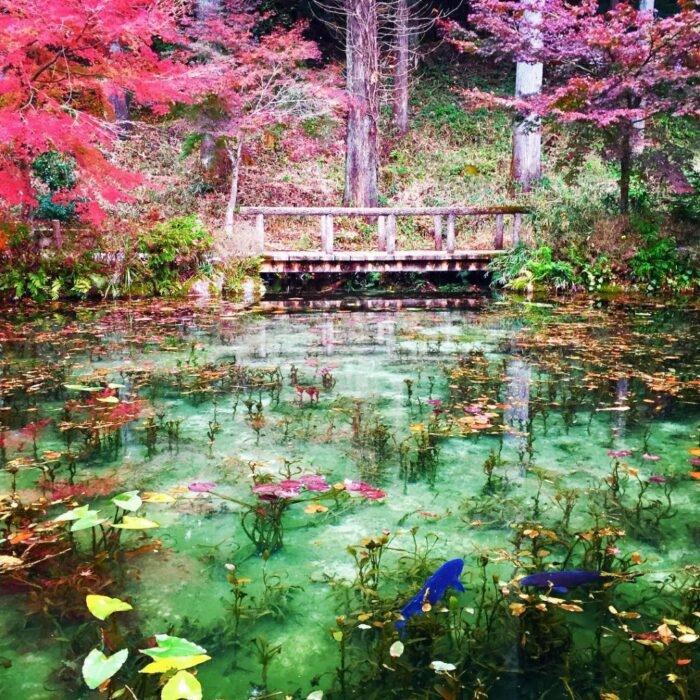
(444, 222)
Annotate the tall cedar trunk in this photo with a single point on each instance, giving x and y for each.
(401, 70)
(362, 149)
(625, 167)
(638, 136)
(235, 157)
(207, 9)
(526, 163)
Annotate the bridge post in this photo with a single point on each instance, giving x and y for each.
(391, 234)
(498, 239)
(327, 234)
(451, 236)
(438, 232)
(517, 220)
(381, 230)
(260, 231)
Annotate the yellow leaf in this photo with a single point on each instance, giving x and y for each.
(175, 663)
(688, 638)
(8, 562)
(154, 497)
(315, 508)
(571, 607)
(517, 609)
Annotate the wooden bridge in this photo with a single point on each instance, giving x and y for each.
(445, 256)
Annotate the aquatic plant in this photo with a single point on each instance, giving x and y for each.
(171, 659)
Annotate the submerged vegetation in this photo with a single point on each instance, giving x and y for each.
(226, 479)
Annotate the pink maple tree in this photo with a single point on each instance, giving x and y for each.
(611, 71)
(255, 82)
(62, 61)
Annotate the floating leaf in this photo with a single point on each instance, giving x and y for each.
(74, 514)
(182, 686)
(315, 508)
(91, 520)
(168, 647)
(82, 387)
(102, 606)
(175, 663)
(517, 609)
(130, 500)
(8, 562)
(108, 399)
(571, 607)
(396, 649)
(315, 695)
(132, 522)
(688, 638)
(442, 667)
(155, 497)
(98, 668)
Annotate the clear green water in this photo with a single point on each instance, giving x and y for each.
(546, 378)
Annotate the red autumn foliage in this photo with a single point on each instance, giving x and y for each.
(62, 61)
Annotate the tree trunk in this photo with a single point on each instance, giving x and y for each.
(207, 9)
(235, 157)
(625, 168)
(402, 70)
(638, 137)
(362, 149)
(526, 163)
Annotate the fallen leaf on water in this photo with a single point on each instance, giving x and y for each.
(396, 649)
(315, 508)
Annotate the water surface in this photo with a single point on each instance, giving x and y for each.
(520, 437)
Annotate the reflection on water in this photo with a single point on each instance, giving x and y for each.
(308, 471)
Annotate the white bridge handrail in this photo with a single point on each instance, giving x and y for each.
(386, 221)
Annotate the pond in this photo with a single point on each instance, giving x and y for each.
(286, 483)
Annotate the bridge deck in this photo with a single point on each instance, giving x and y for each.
(288, 261)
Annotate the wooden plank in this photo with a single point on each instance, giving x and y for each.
(384, 211)
(391, 234)
(437, 222)
(260, 231)
(327, 234)
(381, 230)
(346, 262)
(517, 221)
(498, 239)
(451, 234)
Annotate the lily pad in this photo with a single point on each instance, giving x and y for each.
(102, 606)
(182, 686)
(130, 500)
(132, 522)
(98, 668)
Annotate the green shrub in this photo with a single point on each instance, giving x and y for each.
(56, 172)
(658, 265)
(528, 268)
(174, 250)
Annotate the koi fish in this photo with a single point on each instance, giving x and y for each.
(561, 581)
(433, 590)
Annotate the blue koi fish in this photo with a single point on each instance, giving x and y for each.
(561, 581)
(434, 589)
